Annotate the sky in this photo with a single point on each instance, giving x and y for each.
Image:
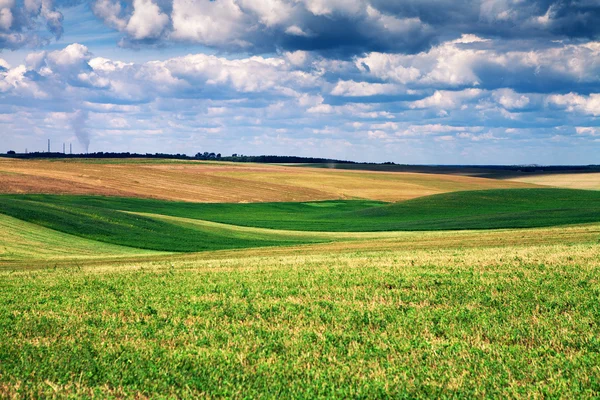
(411, 81)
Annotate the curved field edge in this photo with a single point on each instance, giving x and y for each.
(491, 209)
(126, 229)
(24, 241)
(356, 243)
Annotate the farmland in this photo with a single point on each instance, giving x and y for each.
(225, 182)
(299, 282)
(572, 180)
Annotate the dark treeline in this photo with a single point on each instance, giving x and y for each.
(326, 162)
(198, 156)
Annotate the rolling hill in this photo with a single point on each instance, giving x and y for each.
(214, 182)
(127, 221)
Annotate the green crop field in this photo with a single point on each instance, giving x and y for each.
(485, 293)
(487, 209)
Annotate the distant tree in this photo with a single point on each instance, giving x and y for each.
(234, 155)
(11, 152)
(218, 155)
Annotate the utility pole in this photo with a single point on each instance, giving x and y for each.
(70, 148)
(64, 152)
(48, 145)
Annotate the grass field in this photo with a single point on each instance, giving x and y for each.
(136, 231)
(455, 293)
(224, 182)
(439, 322)
(101, 218)
(27, 242)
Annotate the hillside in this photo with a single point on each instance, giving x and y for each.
(590, 180)
(215, 182)
(138, 223)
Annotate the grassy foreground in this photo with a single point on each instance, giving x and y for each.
(517, 321)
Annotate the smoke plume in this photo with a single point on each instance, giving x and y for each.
(79, 127)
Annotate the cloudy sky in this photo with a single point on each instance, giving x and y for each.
(411, 81)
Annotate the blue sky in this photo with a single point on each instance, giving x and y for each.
(417, 81)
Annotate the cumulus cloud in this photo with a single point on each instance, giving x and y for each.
(360, 89)
(346, 26)
(577, 103)
(20, 20)
(456, 64)
(355, 26)
(444, 100)
(402, 104)
(510, 100)
(147, 20)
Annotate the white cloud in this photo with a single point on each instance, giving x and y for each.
(377, 135)
(15, 82)
(295, 30)
(6, 16)
(575, 102)
(509, 99)
(456, 63)
(444, 99)
(393, 24)
(356, 89)
(269, 12)
(389, 67)
(147, 20)
(288, 94)
(110, 11)
(470, 38)
(587, 131)
(328, 7)
(71, 56)
(216, 23)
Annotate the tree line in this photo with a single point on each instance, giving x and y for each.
(205, 156)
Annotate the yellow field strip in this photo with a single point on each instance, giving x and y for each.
(570, 181)
(226, 182)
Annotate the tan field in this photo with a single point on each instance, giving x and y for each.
(226, 182)
(570, 181)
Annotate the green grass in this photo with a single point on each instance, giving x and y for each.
(425, 315)
(449, 323)
(124, 229)
(24, 241)
(489, 209)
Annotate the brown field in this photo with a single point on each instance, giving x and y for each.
(570, 180)
(226, 182)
